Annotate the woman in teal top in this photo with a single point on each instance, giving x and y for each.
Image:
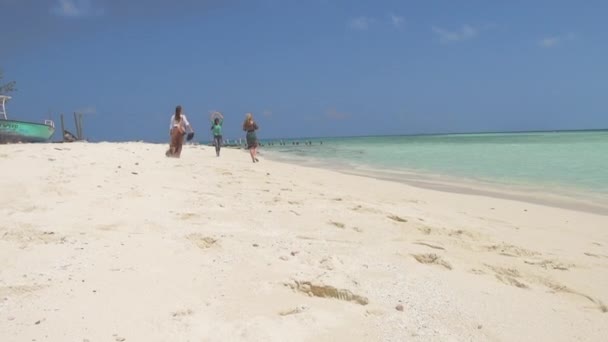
(216, 129)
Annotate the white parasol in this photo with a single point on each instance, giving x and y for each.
(216, 115)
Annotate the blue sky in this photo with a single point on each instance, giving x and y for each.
(308, 68)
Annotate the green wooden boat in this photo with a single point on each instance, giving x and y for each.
(14, 131)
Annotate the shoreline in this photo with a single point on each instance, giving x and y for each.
(571, 199)
(114, 241)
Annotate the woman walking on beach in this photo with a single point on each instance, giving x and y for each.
(250, 127)
(177, 129)
(217, 120)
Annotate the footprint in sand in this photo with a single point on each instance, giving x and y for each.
(596, 255)
(26, 235)
(422, 243)
(337, 224)
(202, 242)
(297, 310)
(432, 259)
(425, 230)
(510, 250)
(559, 288)
(460, 233)
(512, 276)
(188, 216)
(550, 264)
(397, 218)
(19, 290)
(182, 313)
(326, 291)
(508, 276)
(329, 263)
(108, 227)
(362, 209)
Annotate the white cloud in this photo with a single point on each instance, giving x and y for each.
(396, 20)
(332, 113)
(467, 32)
(553, 41)
(76, 9)
(267, 113)
(549, 42)
(87, 110)
(360, 23)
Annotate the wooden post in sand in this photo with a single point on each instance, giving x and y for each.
(78, 122)
(62, 128)
(81, 137)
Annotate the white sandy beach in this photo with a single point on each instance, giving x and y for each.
(115, 242)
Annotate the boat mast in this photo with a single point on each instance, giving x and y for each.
(3, 99)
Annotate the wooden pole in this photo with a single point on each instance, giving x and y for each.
(62, 129)
(76, 124)
(80, 126)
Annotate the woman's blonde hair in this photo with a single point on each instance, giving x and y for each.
(248, 117)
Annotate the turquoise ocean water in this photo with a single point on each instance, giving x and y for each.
(552, 161)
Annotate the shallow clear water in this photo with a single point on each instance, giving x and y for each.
(574, 160)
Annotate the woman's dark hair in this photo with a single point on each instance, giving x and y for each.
(178, 113)
(217, 121)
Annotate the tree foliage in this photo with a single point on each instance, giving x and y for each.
(8, 87)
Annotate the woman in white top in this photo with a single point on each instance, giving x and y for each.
(177, 129)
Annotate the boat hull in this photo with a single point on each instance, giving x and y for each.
(12, 131)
